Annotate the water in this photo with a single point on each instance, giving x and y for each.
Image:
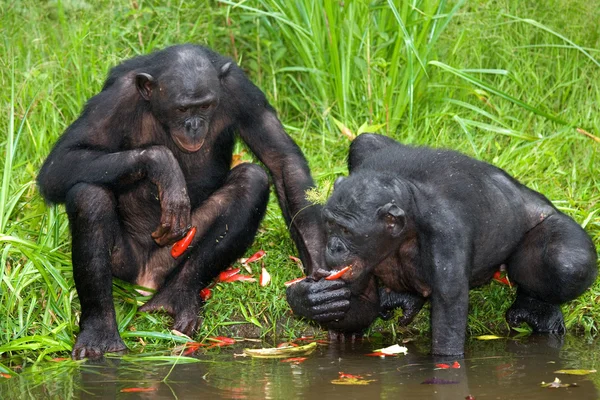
(498, 369)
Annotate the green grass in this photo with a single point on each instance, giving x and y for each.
(505, 81)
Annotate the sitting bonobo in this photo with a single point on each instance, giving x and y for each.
(420, 223)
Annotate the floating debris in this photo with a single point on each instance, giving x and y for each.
(281, 352)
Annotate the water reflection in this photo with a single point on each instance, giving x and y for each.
(500, 369)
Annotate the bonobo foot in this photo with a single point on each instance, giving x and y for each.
(410, 304)
(541, 316)
(342, 337)
(183, 305)
(94, 342)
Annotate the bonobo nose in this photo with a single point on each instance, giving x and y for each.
(192, 124)
(335, 252)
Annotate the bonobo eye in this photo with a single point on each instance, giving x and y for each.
(345, 231)
(182, 109)
(204, 106)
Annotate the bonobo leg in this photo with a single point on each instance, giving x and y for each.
(95, 230)
(555, 263)
(227, 223)
(410, 303)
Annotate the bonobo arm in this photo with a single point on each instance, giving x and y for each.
(410, 303)
(450, 294)
(69, 165)
(260, 128)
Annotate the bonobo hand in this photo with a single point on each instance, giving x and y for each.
(163, 169)
(322, 300)
(175, 217)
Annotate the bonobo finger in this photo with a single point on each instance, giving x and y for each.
(329, 317)
(325, 286)
(315, 299)
(320, 273)
(336, 306)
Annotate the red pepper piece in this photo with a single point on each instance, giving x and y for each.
(205, 294)
(287, 344)
(181, 245)
(295, 360)
(137, 390)
(338, 274)
(349, 376)
(238, 277)
(228, 273)
(256, 256)
(502, 279)
(378, 354)
(455, 364)
(294, 281)
(442, 366)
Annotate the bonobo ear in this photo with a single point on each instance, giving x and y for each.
(224, 70)
(394, 217)
(337, 182)
(144, 83)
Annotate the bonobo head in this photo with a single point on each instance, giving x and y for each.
(365, 220)
(183, 96)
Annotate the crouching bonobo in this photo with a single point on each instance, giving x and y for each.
(421, 223)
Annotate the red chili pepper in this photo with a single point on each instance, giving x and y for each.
(181, 245)
(502, 279)
(304, 338)
(455, 364)
(338, 274)
(137, 390)
(5, 375)
(191, 347)
(238, 277)
(378, 354)
(442, 366)
(228, 273)
(349, 376)
(295, 360)
(59, 359)
(294, 281)
(205, 294)
(256, 256)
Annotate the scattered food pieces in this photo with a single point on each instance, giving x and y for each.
(281, 352)
(558, 384)
(254, 257)
(205, 294)
(5, 375)
(575, 371)
(488, 337)
(455, 364)
(138, 390)
(392, 350)
(265, 277)
(182, 245)
(350, 376)
(240, 277)
(501, 277)
(295, 360)
(379, 354)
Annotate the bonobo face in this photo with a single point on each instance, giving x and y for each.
(184, 99)
(364, 224)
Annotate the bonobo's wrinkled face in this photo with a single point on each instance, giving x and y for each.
(184, 98)
(364, 224)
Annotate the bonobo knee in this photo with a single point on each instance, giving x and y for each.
(578, 271)
(253, 175)
(91, 202)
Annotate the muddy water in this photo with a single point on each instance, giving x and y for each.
(499, 369)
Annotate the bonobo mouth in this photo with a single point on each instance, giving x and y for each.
(188, 147)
